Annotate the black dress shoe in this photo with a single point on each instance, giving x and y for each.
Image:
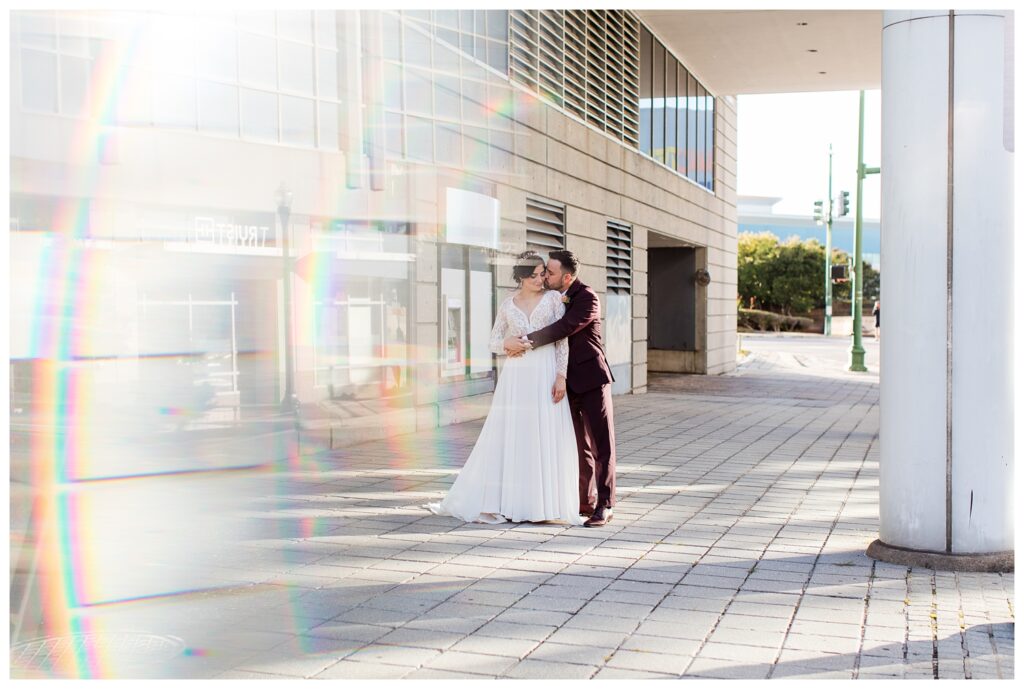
(601, 516)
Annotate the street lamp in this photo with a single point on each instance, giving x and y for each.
(857, 291)
(289, 401)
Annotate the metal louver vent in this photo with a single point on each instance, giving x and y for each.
(545, 225)
(586, 61)
(620, 258)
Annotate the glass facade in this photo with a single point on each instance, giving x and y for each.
(677, 114)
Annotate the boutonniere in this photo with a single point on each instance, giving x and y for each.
(565, 299)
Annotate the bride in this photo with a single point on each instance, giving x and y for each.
(524, 466)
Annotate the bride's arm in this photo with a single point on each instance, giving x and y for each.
(499, 331)
(562, 345)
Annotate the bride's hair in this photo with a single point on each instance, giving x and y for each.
(526, 263)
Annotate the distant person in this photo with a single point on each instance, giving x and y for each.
(876, 311)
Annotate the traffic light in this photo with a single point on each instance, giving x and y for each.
(844, 203)
(819, 212)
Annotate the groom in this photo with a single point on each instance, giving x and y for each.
(589, 381)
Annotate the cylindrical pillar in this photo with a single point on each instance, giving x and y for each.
(946, 471)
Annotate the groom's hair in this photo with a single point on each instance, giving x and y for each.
(567, 259)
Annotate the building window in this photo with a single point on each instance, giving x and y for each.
(361, 327)
(467, 312)
(677, 126)
(441, 99)
(57, 57)
(545, 225)
(261, 76)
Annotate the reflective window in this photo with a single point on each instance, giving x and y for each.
(38, 30)
(258, 60)
(681, 114)
(217, 52)
(670, 113)
(439, 90)
(393, 85)
(327, 74)
(418, 92)
(39, 80)
(701, 177)
(449, 144)
(645, 90)
(710, 146)
(676, 113)
(296, 67)
(393, 132)
(74, 36)
(261, 21)
(390, 29)
(218, 108)
(75, 84)
(298, 125)
(326, 29)
(295, 25)
(174, 102)
(446, 97)
(417, 46)
(691, 127)
(329, 125)
(658, 105)
(259, 115)
(497, 25)
(421, 138)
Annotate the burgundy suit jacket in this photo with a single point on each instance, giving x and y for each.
(588, 365)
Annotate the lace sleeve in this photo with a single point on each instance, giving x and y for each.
(561, 346)
(500, 330)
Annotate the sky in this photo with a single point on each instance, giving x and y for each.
(783, 148)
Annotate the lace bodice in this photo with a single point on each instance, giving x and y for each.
(512, 321)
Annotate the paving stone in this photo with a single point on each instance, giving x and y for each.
(347, 669)
(492, 645)
(650, 662)
(478, 663)
(616, 673)
(738, 653)
(719, 669)
(661, 644)
(541, 669)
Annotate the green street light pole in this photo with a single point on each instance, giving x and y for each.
(828, 251)
(857, 282)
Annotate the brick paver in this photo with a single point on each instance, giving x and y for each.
(745, 504)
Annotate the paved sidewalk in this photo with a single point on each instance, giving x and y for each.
(745, 504)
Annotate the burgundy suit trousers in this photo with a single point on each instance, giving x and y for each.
(595, 440)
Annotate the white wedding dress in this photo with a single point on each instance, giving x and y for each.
(524, 466)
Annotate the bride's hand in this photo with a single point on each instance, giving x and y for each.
(558, 390)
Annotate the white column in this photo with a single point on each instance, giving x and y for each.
(946, 474)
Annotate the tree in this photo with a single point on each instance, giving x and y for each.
(789, 277)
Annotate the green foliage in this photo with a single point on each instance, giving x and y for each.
(789, 277)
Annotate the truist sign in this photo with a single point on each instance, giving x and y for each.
(228, 232)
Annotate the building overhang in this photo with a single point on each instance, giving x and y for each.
(736, 52)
